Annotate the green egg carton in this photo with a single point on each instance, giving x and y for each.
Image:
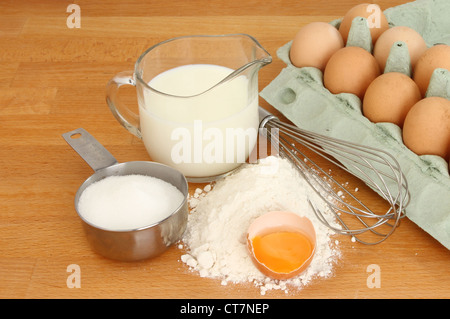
(299, 94)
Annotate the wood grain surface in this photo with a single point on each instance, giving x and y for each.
(53, 80)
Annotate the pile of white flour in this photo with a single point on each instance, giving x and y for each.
(215, 239)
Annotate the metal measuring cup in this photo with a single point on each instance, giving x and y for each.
(134, 244)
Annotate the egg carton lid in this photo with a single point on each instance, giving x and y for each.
(339, 115)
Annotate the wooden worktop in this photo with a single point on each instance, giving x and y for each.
(53, 81)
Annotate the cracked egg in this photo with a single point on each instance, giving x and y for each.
(281, 244)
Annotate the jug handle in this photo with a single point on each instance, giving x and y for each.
(121, 112)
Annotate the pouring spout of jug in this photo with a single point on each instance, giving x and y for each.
(253, 55)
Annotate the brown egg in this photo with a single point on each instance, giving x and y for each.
(314, 44)
(389, 98)
(350, 70)
(437, 56)
(375, 17)
(426, 130)
(416, 44)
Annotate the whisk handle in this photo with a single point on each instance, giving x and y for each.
(265, 116)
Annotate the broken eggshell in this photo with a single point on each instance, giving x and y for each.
(281, 221)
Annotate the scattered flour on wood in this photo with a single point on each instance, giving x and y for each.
(215, 238)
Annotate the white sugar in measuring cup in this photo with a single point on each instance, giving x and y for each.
(134, 244)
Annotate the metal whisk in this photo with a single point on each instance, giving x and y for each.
(376, 168)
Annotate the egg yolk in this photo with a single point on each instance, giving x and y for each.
(282, 252)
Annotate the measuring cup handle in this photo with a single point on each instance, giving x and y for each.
(121, 112)
(94, 153)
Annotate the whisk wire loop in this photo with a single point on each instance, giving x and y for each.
(378, 169)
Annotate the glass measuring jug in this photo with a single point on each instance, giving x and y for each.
(198, 102)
